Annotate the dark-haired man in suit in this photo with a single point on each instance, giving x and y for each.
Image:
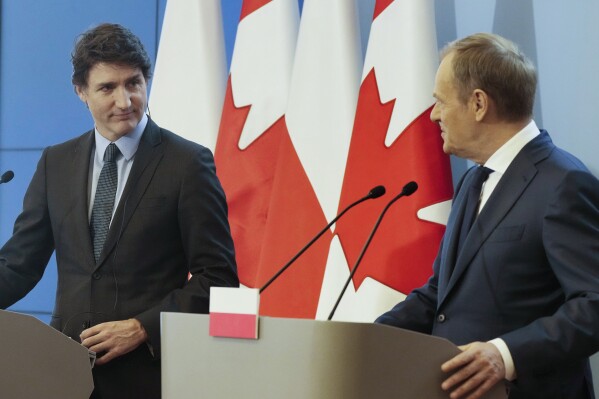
(130, 209)
(517, 283)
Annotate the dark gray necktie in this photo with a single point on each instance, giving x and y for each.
(481, 174)
(104, 200)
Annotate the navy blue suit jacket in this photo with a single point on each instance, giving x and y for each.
(528, 274)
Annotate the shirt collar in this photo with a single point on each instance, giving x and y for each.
(503, 157)
(127, 144)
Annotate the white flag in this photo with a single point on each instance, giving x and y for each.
(190, 75)
(393, 142)
(320, 113)
(252, 125)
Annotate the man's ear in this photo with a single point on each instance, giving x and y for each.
(480, 104)
(81, 93)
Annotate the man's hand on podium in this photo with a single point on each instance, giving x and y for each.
(474, 371)
(113, 339)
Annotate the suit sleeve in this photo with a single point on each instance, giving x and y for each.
(417, 311)
(25, 255)
(206, 241)
(570, 239)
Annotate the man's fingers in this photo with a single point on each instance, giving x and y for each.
(90, 332)
(474, 371)
(458, 360)
(106, 357)
(481, 390)
(92, 340)
(113, 339)
(468, 382)
(463, 374)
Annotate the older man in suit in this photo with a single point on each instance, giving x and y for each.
(516, 284)
(131, 210)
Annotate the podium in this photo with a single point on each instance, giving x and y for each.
(37, 361)
(303, 359)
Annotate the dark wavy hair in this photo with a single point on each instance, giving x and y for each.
(108, 43)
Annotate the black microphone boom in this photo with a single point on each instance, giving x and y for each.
(376, 192)
(407, 190)
(7, 176)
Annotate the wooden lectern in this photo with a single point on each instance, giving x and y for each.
(37, 361)
(304, 359)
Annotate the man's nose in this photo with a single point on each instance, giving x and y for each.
(435, 114)
(122, 98)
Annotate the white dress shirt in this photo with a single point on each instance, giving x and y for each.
(499, 162)
(127, 146)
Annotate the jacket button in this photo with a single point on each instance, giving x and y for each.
(441, 318)
(97, 276)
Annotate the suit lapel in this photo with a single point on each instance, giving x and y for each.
(147, 158)
(80, 194)
(510, 188)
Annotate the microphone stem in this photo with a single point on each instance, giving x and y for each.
(327, 227)
(366, 244)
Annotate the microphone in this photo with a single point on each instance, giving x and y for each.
(7, 176)
(407, 190)
(376, 192)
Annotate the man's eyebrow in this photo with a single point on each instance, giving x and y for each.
(106, 83)
(136, 76)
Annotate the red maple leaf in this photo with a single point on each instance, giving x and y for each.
(402, 252)
(247, 177)
(273, 212)
(295, 217)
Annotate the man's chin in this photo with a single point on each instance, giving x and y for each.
(118, 130)
(446, 149)
(124, 127)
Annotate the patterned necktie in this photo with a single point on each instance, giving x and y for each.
(481, 174)
(104, 200)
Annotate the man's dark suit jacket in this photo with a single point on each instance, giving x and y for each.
(171, 220)
(528, 274)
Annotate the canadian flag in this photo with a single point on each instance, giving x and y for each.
(191, 71)
(252, 126)
(309, 174)
(393, 142)
(300, 139)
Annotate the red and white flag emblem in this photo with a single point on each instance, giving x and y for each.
(393, 142)
(300, 138)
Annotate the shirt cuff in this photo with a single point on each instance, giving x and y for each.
(508, 362)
